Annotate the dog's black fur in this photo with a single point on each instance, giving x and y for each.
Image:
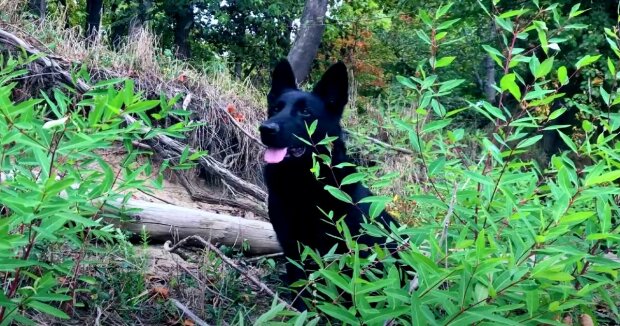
(295, 195)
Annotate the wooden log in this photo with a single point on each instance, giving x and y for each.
(168, 222)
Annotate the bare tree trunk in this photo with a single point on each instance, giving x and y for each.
(39, 7)
(308, 38)
(183, 22)
(94, 9)
(489, 68)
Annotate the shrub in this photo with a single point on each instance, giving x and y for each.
(499, 239)
(56, 187)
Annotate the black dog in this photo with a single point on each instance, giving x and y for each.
(295, 194)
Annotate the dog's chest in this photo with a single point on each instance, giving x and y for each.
(298, 204)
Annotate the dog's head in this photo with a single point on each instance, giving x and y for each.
(290, 110)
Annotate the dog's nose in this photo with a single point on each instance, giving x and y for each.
(269, 128)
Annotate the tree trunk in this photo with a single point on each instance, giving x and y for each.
(94, 9)
(183, 22)
(138, 23)
(167, 222)
(489, 68)
(38, 7)
(308, 38)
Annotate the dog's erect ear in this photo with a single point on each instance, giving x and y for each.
(282, 79)
(333, 87)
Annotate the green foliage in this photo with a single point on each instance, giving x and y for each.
(56, 189)
(500, 239)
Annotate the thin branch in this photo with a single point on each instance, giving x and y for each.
(228, 261)
(257, 258)
(188, 312)
(381, 143)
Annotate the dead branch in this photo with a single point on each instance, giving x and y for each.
(163, 222)
(204, 195)
(160, 143)
(228, 261)
(188, 312)
(169, 147)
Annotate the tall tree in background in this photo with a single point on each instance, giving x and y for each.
(181, 15)
(308, 38)
(94, 10)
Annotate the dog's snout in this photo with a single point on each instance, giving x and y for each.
(269, 128)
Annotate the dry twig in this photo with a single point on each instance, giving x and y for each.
(228, 261)
(188, 312)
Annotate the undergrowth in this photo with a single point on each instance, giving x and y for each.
(493, 235)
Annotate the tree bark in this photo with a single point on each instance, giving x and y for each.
(183, 22)
(94, 9)
(308, 38)
(166, 222)
(39, 7)
(489, 68)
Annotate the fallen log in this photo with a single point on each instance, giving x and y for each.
(164, 222)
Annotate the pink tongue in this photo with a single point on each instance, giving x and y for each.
(274, 155)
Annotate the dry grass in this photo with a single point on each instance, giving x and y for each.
(214, 98)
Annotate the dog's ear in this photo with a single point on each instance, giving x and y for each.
(333, 87)
(282, 79)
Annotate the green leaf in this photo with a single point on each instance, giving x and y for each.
(447, 24)
(339, 313)
(449, 85)
(545, 68)
(611, 66)
(569, 142)
(385, 315)
(606, 97)
(443, 62)
(310, 130)
(512, 13)
(9, 264)
(505, 24)
(508, 82)
(604, 178)
(529, 141)
(353, 178)
(436, 166)
(109, 82)
(339, 194)
(406, 82)
(554, 276)
(555, 114)
(435, 125)
(47, 309)
(574, 11)
(532, 300)
(563, 75)
(587, 60)
(573, 218)
(142, 106)
(485, 180)
(337, 279)
(493, 110)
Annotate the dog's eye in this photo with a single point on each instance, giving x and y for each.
(304, 112)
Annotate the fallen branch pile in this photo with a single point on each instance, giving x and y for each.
(245, 194)
(163, 221)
